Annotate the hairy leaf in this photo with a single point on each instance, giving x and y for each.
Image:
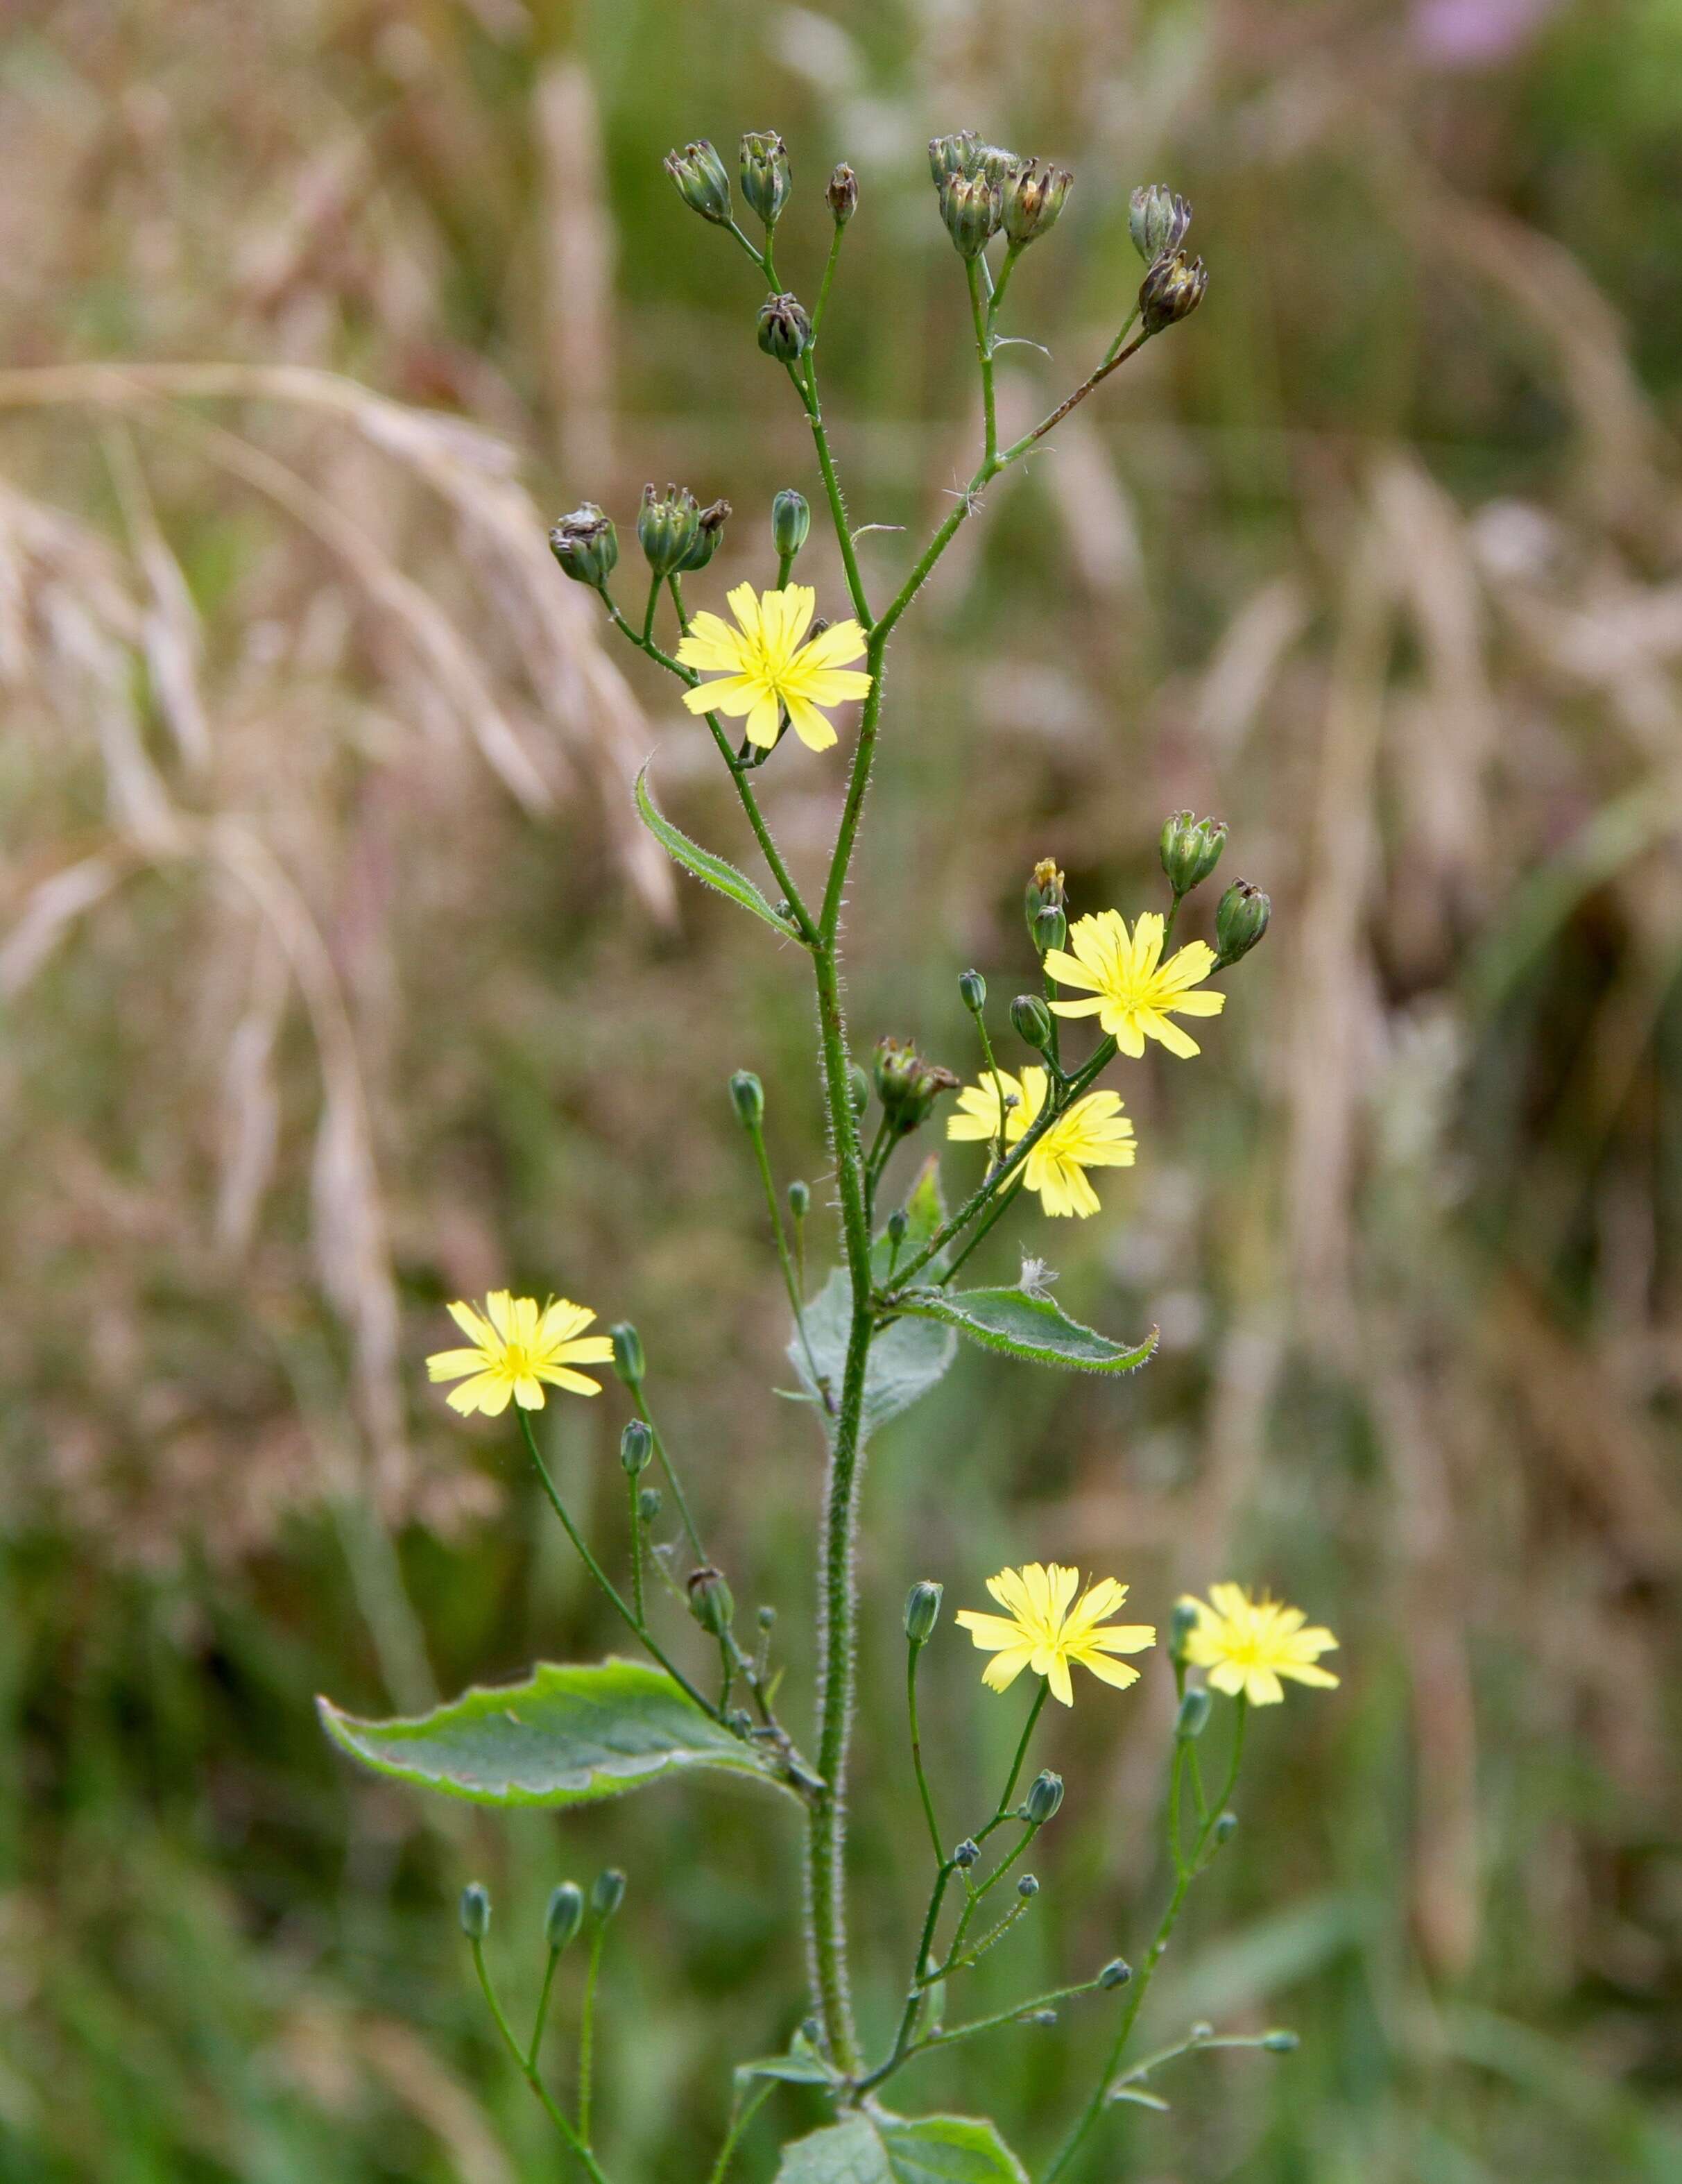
(905, 1359)
(888, 2150)
(566, 1736)
(1027, 1325)
(711, 870)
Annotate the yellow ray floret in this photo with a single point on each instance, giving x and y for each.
(1132, 993)
(1093, 1133)
(1247, 1645)
(766, 667)
(1044, 1627)
(519, 1343)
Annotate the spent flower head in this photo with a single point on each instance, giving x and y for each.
(1172, 290)
(1093, 1132)
(1132, 993)
(767, 668)
(1045, 1628)
(1246, 1644)
(517, 1345)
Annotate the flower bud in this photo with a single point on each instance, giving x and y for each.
(635, 1446)
(1116, 1973)
(766, 1617)
(994, 165)
(1281, 2041)
(907, 1085)
(791, 519)
(1033, 198)
(843, 194)
(951, 155)
(476, 1910)
(1181, 1625)
(708, 531)
(1172, 290)
(586, 545)
(666, 526)
(922, 1610)
(1157, 220)
(608, 1893)
(647, 1504)
(711, 1602)
(966, 1854)
(1027, 1887)
(1226, 1827)
(565, 1914)
(1194, 1714)
(971, 208)
(858, 1090)
(1240, 920)
(747, 1095)
(1050, 927)
(1031, 1020)
(1191, 849)
(1045, 1795)
(1045, 886)
(628, 1361)
(972, 989)
(785, 332)
(897, 1226)
(702, 182)
(799, 1199)
(766, 179)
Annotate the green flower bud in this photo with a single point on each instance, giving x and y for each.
(1051, 928)
(1191, 849)
(1116, 1973)
(952, 155)
(995, 165)
(1226, 1827)
(922, 1610)
(747, 1095)
(586, 545)
(791, 519)
(971, 208)
(799, 1199)
(628, 1361)
(858, 1090)
(766, 1617)
(766, 179)
(711, 1602)
(1045, 1795)
(1027, 1887)
(1194, 1714)
(608, 1893)
(1281, 2041)
(897, 1225)
(565, 1914)
(1045, 886)
(907, 1085)
(966, 1854)
(708, 531)
(1240, 920)
(1031, 1021)
(785, 332)
(647, 1504)
(1181, 1625)
(1172, 290)
(635, 1446)
(843, 194)
(1157, 220)
(973, 988)
(476, 1910)
(1033, 198)
(666, 525)
(702, 182)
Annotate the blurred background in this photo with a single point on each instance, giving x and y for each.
(338, 981)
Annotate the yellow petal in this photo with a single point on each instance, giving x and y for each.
(451, 1364)
(830, 685)
(1108, 1672)
(991, 1633)
(476, 1328)
(809, 724)
(1003, 1669)
(1057, 1675)
(711, 644)
(733, 697)
(843, 641)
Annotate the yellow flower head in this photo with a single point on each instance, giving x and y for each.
(1045, 1628)
(518, 1344)
(766, 668)
(1132, 993)
(1247, 1645)
(1093, 1133)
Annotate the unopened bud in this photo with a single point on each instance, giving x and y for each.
(1191, 849)
(766, 179)
(1031, 1021)
(635, 1446)
(748, 1095)
(858, 1090)
(710, 1600)
(1226, 1827)
(1045, 886)
(791, 519)
(952, 155)
(1281, 2041)
(785, 332)
(586, 545)
(628, 1361)
(1033, 196)
(647, 1504)
(608, 1893)
(740, 1721)
(1027, 1887)
(843, 194)
(970, 205)
(1157, 220)
(799, 1199)
(667, 523)
(476, 1910)
(1116, 1973)
(972, 989)
(1051, 928)
(907, 1085)
(1194, 1714)
(708, 531)
(765, 1617)
(1172, 290)
(994, 165)
(966, 1854)
(565, 1914)
(1240, 920)
(1181, 1625)
(701, 180)
(922, 1610)
(897, 1225)
(1045, 1795)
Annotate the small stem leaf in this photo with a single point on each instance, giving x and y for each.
(711, 870)
(1025, 1325)
(882, 2149)
(905, 1359)
(1138, 2097)
(925, 1211)
(567, 1737)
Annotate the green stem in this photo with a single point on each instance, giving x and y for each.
(586, 2033)
(640, 1404)
(913, 1654)
(636, 1600)
(992, 1070)
(796, 1303)
(741, 2114)
(1034, 1712)
(806, 386)
(982, 1229)
(1014, 2016)
(984, 349)
(648, 612)
(828, 281)
(528, 2069)
(542, 2018)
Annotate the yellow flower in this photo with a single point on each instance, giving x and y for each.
(1131, 991)
(1093, 1133)
(518, 1344)
(1247, 1645)
(1041, 1631)
(766, 668)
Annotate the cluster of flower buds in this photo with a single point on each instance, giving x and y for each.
(1190, 849)
(586, 545)
(1240, 920)
(676, 534)
(785, 328)
(983, 188)
(907, 1085)
(1174, 284)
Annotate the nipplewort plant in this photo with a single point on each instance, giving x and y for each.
(884, 1324)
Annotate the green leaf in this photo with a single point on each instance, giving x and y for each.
(905, 1359)
(566, 1736)
(712, 872)
(1027, 1325)
(888, 2150)
(925, 1212)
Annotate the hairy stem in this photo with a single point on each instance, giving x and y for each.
(528, 2069)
